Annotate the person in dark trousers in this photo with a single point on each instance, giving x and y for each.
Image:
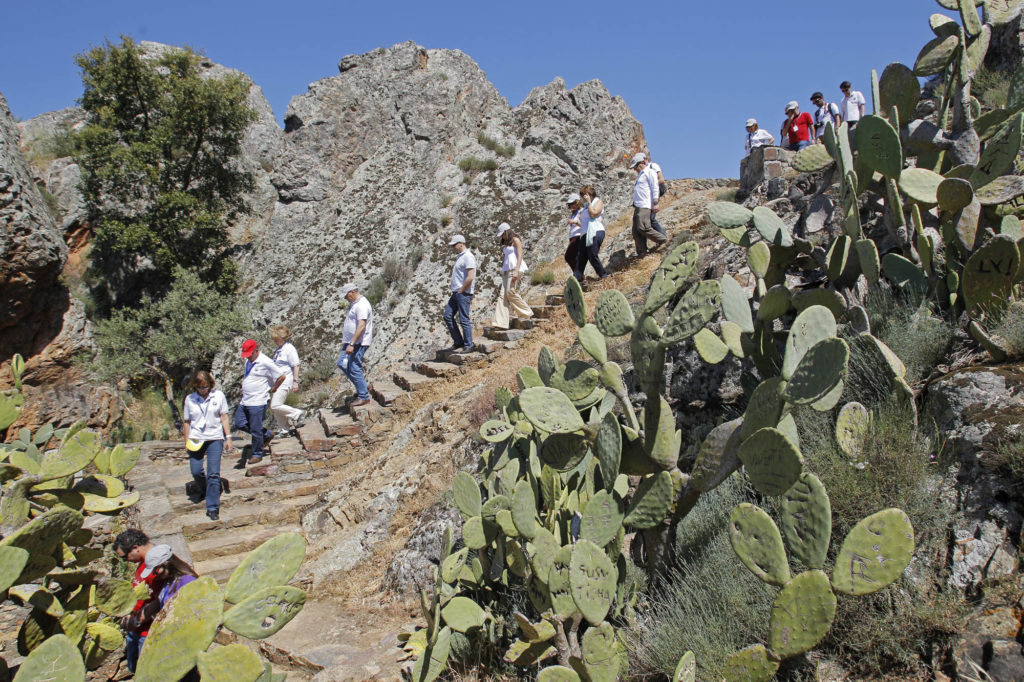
(593, 234)
(456, 311)
(262, 376)
(645, 204)
(575, 205)
(133, 545)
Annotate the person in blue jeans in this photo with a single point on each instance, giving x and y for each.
(262, 377)
(456, 312)
(356, 335)
(207, 435)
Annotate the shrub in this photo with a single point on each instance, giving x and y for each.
(376, 289)
(1010, 328)
(52, 204)
(446, 220)
(542, 276)
(506, 150)
(317, 372)
(146, 414)
(416, 254)
(919, 338)
(396, 269)
(446, 200)
(471, 163)
(991, 87)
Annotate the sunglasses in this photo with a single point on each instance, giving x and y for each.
(203, 387)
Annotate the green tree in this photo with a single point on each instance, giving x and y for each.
(171, 337)
(160, 172)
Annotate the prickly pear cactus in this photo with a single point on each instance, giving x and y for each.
(757, 542)
(802, 614)
(273, 563)
(265, 612)
(874, 554)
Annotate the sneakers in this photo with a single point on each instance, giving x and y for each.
(359, 402)
(301, 420)
(213, 516)
(466, 349)
(255, 460)
(282, 433)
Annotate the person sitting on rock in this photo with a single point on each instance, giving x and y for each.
(207, 433)
(757, 137)
(261, 379)
(356, 335)
(512, 268)
(133, 545)
(645, 203)
(287, 358)
(797, 127)
(456, 311)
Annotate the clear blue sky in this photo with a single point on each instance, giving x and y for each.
(691, 72)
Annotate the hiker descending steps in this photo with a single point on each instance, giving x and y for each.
(355, 339)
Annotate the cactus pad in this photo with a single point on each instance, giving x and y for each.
(759, 256)
(771, 228)
(812, 159)
(764, 408)
(814, 324)
(74, 454)
(230, 663)
(735, 305)
(749, 665)
(954, 194)
(265, 612)
(452, 565)
(43, 534)
(1000, 152)
(717, 457)
(1000, 13)
(608, 449)
(123, 459)
(602, 519)
(819, 372)
(867, 257)
(878, 145)
(852, 427)
(550, 410)
(899, 87)
(613, 314)
(467, 494)
(576, 379)
(592, 340)
(574, 303)
(838, 257)
(671, 275)
(686, 669)
(874, 554)
(433, 662)
(545, 548)
(802, 300)
(462, 614)
(710, 347)
(802, 614)
(732, 335)
(56, 659)
(989, 275)
(496, 431)
(524, 508)
(921, 184)
(727, 215)
(694, 310)
(935, 56)
(275, 562)
(559, 584)
(600, 654)
(534, 632)
(651, 502)
(659, 433)
(183, 629)
(772, 461)
(592, 579)
(563, 451)
(648, 355)
(558, 673)
(775, 303)
(757, 542)
(807, 520)
(477, 533)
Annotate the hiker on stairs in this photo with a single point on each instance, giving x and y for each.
(207, 435)
(287, 359)
(593, 235)
(356, 335)
(456, 312)
(512, 268)
(261, 379)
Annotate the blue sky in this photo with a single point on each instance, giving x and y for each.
(692, 73)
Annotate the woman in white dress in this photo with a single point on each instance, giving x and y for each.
(287, 358)
(512, 268)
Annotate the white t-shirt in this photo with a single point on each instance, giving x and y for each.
(850, 106)
(203, 416)
(360, 310)
(645, 189)
(591, 226)
(509, 261)
(758, 138)
(465, 262)
(574, 229)
(287, 358)
(822, 115)
(259, 377)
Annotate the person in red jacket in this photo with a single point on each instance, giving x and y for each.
(798, 127)
(132, 545)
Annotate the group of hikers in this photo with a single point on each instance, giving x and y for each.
(801, 129)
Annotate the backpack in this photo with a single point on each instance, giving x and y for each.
(833, 111)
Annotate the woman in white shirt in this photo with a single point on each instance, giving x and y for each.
(512, 268)
(593, 234)
(575, 204)
(287, 358)
(207, 435)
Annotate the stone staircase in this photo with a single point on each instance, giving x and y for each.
(448, 363)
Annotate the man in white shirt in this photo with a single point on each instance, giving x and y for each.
(355, 339)
(757, 137)
(461, 286)
(851, 108)
(645, 202)
(262, 377)
(662, 189)
(824, 113)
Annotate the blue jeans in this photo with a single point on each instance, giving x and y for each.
(354, 371)
(133, 642)
(210, 481)
(252, 421)
(656, 225)
(590, 254)
(461, 329)
(799, 145)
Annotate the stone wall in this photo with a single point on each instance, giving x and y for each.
(764, 164)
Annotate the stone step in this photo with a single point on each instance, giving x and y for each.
(174, 478)
(236, 540)
(437, 369)
(524, 323)
(369, 413)
(386, 392)
(544, 312)
(554, 299)
(410, 381)
(272, 492)
(488, 346)
(197, 526)
(338, 422)
(498, 334)
(219, 568)
(289, 446)
(466, 358)
(313, 436)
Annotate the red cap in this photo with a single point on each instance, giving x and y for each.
(248, 347)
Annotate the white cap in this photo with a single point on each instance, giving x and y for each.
(157, 556)
(347, 288)
(793, 104)
(637, 160)
(456, 239)
(503, 228)
(573, 198)
(751, 122)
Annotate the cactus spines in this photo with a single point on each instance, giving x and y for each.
(651, 502)
(592, 579)
(750, 664)
(874, 553)
(467, 494)
(954, 194)
(183, 629)
(613, 314)
(462, 614)
(574, 303)
(921, 184)
(878, 145)
(757, 542)
(802, 614)
(775, 303)
(56, 659)
(727, 215)
(710, 347)
(812, 159)
(1000, 152)
(550, 410)
(496, 431)
(265, 612)
(989, 275)
(670, 275)
(814, 324)
(899, 87)
(852, 426)
(819, 372)
(771, 228)
(936, 55)
(231, 663)
(593, 342)
(602, 518)
(275, 562)
(772, 461)
(694, 310)
(807, 520)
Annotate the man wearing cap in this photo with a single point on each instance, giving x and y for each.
(133, 545)
(756, 137)
(262, 377)
(824, 113)
(645, 202)
(461, 286)
(355, 339)
(797, 127)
